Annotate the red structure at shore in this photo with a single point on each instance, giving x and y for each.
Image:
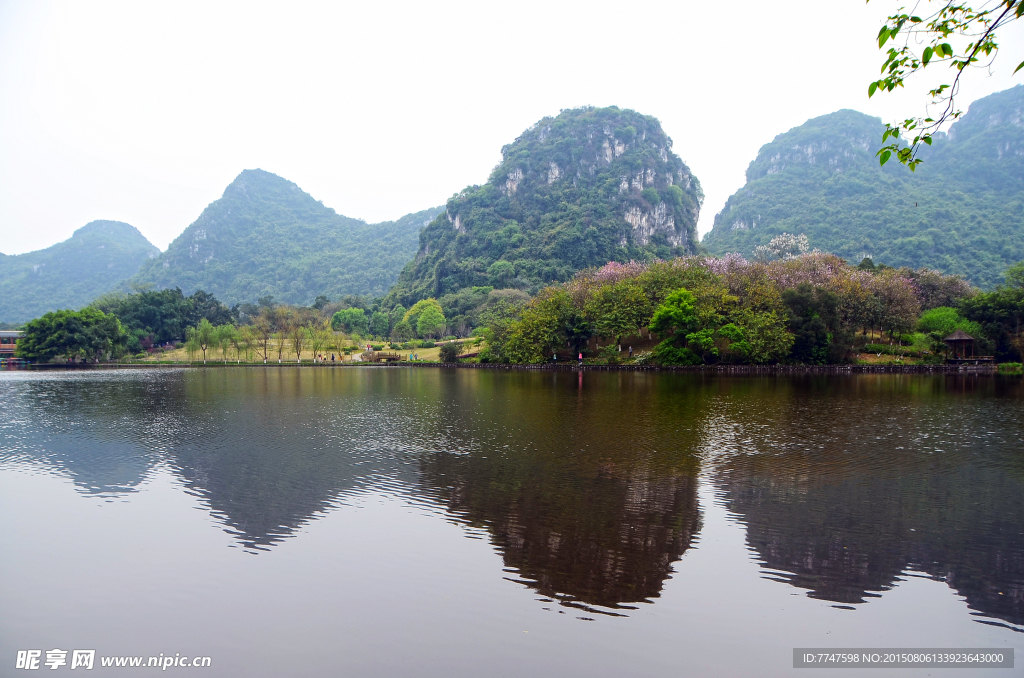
(8, 343)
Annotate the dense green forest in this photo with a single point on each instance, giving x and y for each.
(117, 324)
(72, 273)
(961, 212)
(585, 187)
(809, 308)
(266, 237)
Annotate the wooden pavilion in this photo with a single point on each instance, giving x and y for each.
(960, 350)
(959, 345)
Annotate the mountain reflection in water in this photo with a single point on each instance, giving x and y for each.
(587, 486)
(844, 485)
(589, 494)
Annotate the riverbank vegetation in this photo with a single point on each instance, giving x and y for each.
(785, 308)
(788, 306)
(166, 326)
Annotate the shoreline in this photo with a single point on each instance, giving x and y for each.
(766, 370)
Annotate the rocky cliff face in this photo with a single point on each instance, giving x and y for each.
(960, 213)
(580, 189)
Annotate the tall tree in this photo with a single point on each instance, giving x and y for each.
(88, 333)
(431, 322)
(350, 320)
(618, 309)
(262, 332)
(1001, 314)
(204, 335)
(242, 341)
(320, 336)
(379, 324)
(299, 333)
(225, 338)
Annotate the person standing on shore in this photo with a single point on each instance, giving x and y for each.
(581, 359)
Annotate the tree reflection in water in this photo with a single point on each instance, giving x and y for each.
(845, 485)
(587, 485)
(606, 535)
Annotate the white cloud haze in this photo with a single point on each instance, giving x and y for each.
(144, 112)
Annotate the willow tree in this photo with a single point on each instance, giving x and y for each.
(320, 335)
(242, 341)
(201, 338)
(225, 339)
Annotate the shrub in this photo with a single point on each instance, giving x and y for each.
(378, 347)
(450, 352)
(610, 354)
(666, 353)
(945, 321)
(1011, 368)
(427, 344)
(643, 358)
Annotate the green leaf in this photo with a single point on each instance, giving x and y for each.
(1021, 64)
(927, 55)
(927, 140)
(885, 157)
(873, 86)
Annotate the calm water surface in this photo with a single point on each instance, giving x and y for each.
(431, 522)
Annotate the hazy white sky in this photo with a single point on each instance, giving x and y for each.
(144, 112)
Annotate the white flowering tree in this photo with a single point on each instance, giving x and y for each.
(784, 246)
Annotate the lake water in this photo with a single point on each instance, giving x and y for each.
(443, 522)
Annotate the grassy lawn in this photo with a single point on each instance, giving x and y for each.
(180, 355)
(875, 359)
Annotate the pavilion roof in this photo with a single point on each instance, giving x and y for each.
(959, 335)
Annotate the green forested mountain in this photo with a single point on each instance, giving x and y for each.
(962, 212)
(266, 237)
(588, 186)
(72, 273)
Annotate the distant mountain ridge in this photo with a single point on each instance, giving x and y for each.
(962, 212)
(585, 187)
(70, 274)
(267, 237)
